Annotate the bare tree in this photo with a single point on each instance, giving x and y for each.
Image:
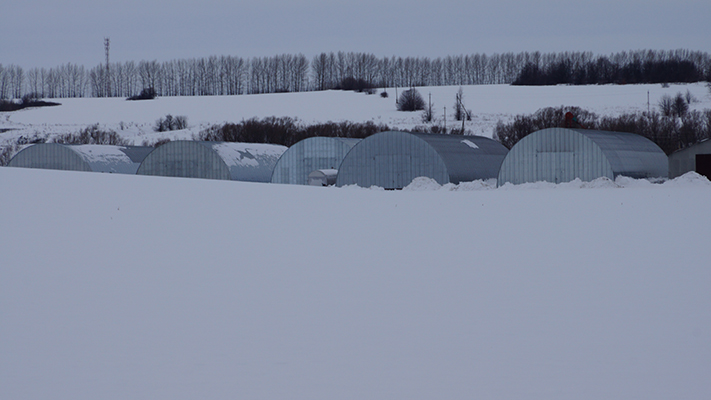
(460, 112)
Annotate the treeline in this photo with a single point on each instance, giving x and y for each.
(621, 68)
(670, 132)
(232, 75)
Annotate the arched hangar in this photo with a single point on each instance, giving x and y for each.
(250, 162)
(309, 155)
(84, 157)
(392, 159)
(562, 155)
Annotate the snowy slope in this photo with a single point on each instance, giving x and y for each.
(489, 104)
(133, 287)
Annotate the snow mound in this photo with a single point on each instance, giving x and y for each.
(577, 183)
(686, 180)
(528, 185)
(626, 181)
(689, 179)
(488, 184)
(377, 188)
(600, 183)
(422, 183)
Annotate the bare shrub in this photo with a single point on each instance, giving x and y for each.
(460, 112)
(286, 131)
(7, 152)
(92, 134)
(666, 105)
(509, 134)
(171, 123)
(689, 97)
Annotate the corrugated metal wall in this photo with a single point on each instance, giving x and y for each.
(87, 157)
(467, 158)
(113, 159)
(250, 162)
(185, 159)
(49, 156)
(562, 155)
(309, 155)
(391, 160)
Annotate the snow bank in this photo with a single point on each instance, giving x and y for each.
(428, 184)
(689, 179)
(138, 287)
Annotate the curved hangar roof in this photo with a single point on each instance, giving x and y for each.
(392, 159)
(251, 162)
(562, 155)
(309, 155)
(85, 157)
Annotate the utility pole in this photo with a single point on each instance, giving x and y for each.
(108, 72)
(429, 109)
(445, 120)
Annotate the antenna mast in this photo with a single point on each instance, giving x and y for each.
(108, 72)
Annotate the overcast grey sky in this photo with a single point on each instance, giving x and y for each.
(44, 33)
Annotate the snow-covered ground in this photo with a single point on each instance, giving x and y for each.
(138, 287)
(489, 104)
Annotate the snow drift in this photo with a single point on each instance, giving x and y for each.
(119, 287)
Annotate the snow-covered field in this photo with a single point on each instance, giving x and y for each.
(489, 104)
(136, 287)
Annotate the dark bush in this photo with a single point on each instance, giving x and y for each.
(681, 106)
(146, 94)
(351, 83)
(8, 105)
(27, 101)
(30, 98)
(410, 100)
